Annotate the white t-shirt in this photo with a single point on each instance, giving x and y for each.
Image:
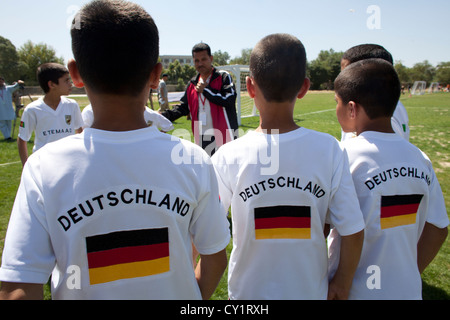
(399, 123)
(48, 124)
(398, 192)
(107, 224)
(151, 117)
(280, 188)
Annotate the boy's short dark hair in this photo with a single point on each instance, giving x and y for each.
(372, 83)
(367, 51)
(50, 72)
(116, 46)
(278, 65)
(201, 47)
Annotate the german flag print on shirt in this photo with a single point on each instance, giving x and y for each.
(127, 254)
(283, 222)
(399, 210)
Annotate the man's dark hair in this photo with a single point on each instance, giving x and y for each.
(116, 46)
(50, 72)
(201, 47)
(278, 65)
(372, 83)
(367, 51)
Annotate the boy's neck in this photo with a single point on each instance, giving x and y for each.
(52, 100)
(276, 118)
(379, 125)
(117, 113)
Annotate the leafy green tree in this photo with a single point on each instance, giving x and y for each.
(244, 59)
(33, 55)
(403, 72)
(221, 58)
(422, 71)
(443, 73)
(324, 69)
(10, 66)
(179, 74)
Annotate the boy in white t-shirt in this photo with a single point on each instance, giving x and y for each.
(152, 118)
(52, 117)
(399, 194)
(283, 182)
(399, 119)
(89, 210)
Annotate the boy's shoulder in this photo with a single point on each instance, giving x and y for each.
(373, 143)
(37, 104)
(309, 138)
(66, 100)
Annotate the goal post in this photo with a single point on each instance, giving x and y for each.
(245, 106)
(434, 87)
(419, 87)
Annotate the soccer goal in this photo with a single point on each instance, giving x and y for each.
(244, 104)
(434, 87)
(419, 87)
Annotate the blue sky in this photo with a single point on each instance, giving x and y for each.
(413, 31)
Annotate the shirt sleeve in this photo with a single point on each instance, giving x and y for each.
(79, 123)
(88, 117)
(221, 169)
(344, 210)
(209, 228)
(27, 124)
(437, 212)
(28, 255)
(163, 123)
(179, 110)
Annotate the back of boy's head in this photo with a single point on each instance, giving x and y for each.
(116, 46)
(372, 83)
(50, 72)
(278, 65)
(367, 51)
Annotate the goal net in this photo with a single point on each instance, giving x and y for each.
(434, 87)
(244, 104)
(419, 87)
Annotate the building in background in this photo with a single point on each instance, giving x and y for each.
(168, 59)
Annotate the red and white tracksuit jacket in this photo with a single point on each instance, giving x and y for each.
(221, 95)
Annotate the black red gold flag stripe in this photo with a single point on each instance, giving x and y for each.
(399, 210)
(127, 254)
(283, 222)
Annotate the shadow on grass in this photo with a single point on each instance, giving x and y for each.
(430, 292)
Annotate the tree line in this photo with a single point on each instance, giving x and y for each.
(22, 64)
(321, 71)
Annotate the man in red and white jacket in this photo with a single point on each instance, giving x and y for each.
(210, 100)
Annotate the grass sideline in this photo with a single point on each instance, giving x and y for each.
(429, 116)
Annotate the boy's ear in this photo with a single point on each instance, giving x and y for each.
(51, 84)
(304, 89)
(353, 109)
(250, 87)
(155, 75)
(75, 74)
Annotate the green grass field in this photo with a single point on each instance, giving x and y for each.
(430, 130)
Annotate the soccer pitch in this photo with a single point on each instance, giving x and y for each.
(429, 119)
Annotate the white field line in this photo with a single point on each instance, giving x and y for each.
(9, 163)
(321, 111)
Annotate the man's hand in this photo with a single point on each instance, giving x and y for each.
(200, 86)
